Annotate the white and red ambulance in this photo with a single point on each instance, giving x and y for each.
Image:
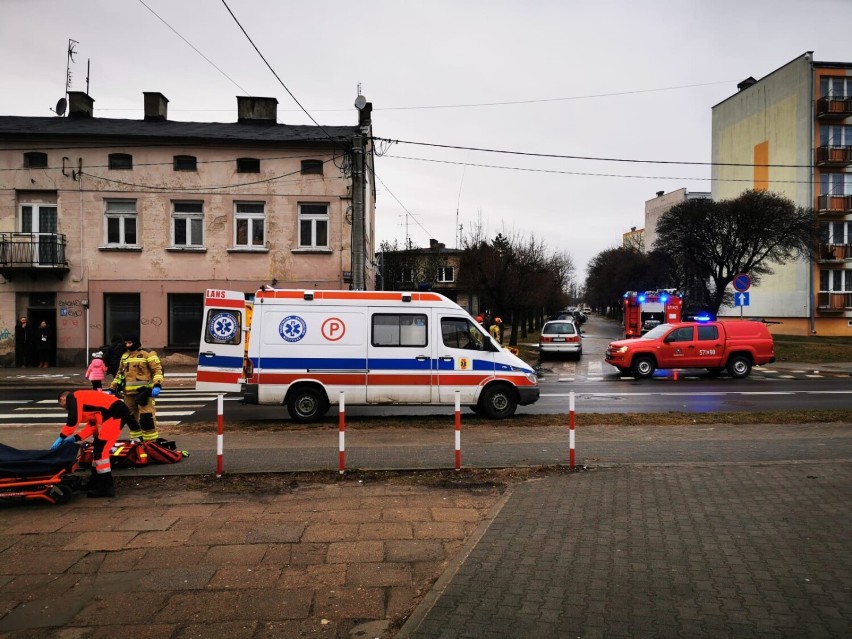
(301, 348)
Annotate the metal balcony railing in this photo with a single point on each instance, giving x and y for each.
(834, 204)
(838, 302)
(835, 252)
(834, 108)
(834, 156)
(32, 253)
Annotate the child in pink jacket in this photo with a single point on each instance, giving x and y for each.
(97, 370)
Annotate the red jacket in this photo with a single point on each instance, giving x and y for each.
(93, 407)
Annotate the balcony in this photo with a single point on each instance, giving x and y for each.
(828, 302)
(834, 252)
(834, 156)
(32, 254)
(834, 108)
(834, 205)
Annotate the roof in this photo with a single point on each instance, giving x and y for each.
(89, 128)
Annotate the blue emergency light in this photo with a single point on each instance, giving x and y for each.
(641, 298)
(664, 298)
(704, 317)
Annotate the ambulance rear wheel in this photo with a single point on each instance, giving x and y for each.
(497, 402)
(307, 405)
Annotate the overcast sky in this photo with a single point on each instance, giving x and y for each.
(605, 78)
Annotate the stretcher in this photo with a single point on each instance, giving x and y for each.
(47, 475)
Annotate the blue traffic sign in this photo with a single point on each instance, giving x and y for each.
(741, 299)
(742, 282)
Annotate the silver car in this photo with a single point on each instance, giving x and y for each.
(560, 336)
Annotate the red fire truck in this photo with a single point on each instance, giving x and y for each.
(643, 311)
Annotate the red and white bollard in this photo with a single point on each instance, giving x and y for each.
(220, 435)
(571, 424)
(458, 430)
(342, 437)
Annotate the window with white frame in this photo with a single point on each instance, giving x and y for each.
(188, 224)
(249, 228)
(120, 223)
(835, 86)
(313, 226)
(835, 281)
(835, 135)
(446, 274)
(835, 184)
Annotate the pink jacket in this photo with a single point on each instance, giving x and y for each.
(96, 371)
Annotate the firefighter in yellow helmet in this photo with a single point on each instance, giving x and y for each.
(140, 376)
(496, 330)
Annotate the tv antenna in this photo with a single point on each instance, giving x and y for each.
(62, 103)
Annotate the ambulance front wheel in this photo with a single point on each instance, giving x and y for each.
(497, 402)
(307, 405)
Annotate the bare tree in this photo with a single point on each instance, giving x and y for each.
(712, 242)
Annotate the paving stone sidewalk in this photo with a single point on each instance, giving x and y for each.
(650, 551)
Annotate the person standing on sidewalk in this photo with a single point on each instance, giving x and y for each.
(104, 415)
(97, 370)
(140, 377)
(24, 342)
(43, 340)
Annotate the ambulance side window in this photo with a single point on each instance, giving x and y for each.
(392, 329)
(457, 332)
(223, 327)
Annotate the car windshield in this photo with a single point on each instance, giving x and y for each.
(657, 331)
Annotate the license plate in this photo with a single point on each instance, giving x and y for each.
(558, 339)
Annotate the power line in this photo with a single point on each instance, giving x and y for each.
(160, 18)
(428, 233)
(586, 173)
(589, 157)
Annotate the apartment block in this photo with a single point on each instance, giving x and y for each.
(118, 226)
(791, 132)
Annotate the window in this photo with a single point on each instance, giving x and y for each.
(683, 334)
(187, 224)
(120, 161)
(446, 274)
(835, 184)
(406, 276)
(120, 223)
(312, 167)
(223, 326)
(41, 220)
(185, 163)
(835, 87)
(121, 315)
(248, 224)
(708, 333)
(835, 280)
(836, 135)
(248, 165)
(186, 310)
(35, 160)
(457, 332)
(313, 226)
(399, 330)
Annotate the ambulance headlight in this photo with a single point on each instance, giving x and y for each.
(532, 377)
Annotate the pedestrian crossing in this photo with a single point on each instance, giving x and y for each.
(173, 405)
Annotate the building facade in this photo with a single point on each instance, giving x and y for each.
(112, 226)
(655, 207)
(791, 132)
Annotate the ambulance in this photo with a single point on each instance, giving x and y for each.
(302, 349)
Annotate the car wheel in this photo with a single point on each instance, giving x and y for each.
(307, 405)
(579, 353)
(497, 402)
(739, 366)
(643, 367)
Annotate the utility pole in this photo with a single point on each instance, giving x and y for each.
(359, 192)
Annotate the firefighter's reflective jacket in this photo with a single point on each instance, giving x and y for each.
(138, 369)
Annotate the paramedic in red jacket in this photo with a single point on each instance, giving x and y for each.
(104, 415)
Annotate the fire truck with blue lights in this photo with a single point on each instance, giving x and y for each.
(646, 310)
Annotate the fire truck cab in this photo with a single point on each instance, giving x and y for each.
(646, 310)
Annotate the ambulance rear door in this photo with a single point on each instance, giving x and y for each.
(224, 338)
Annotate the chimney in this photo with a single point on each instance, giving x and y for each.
(433, 244)
(745, 84)
(156, 106)
(660, 193)
(257, 110)
(80, 105)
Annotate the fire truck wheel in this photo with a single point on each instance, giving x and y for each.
(739, 366)
(307, 405)
(643, 367)
(497, 402)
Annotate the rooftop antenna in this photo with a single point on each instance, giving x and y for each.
(62, 103)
